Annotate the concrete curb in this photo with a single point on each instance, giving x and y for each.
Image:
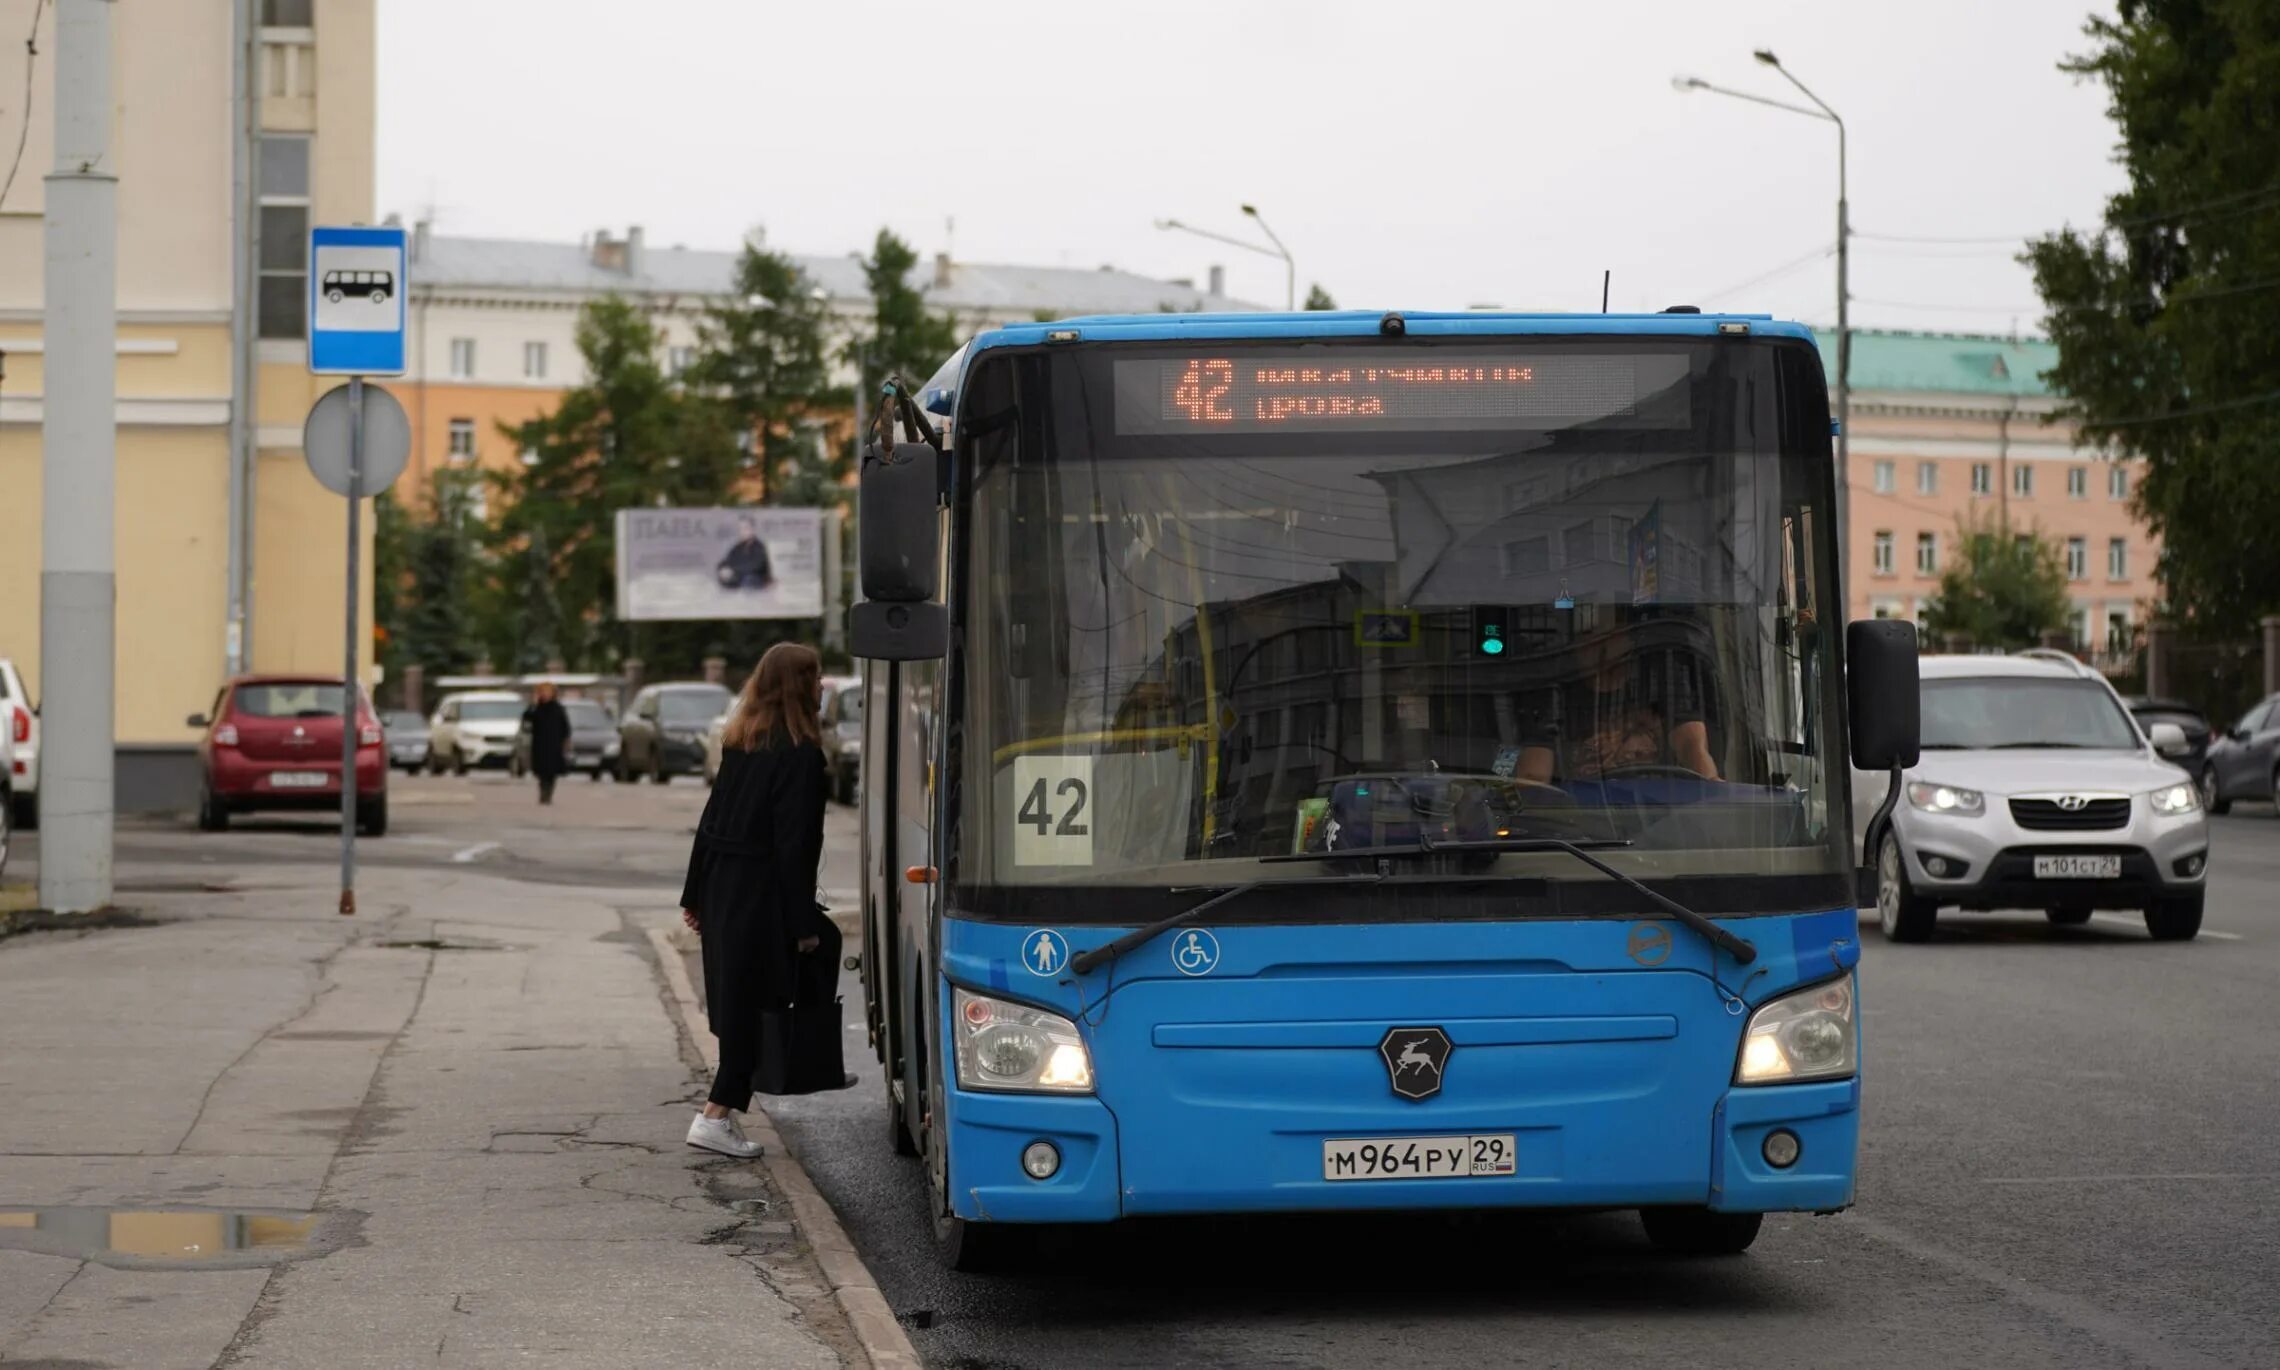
(882, 1338)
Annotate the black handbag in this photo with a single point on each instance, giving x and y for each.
(800, 1047)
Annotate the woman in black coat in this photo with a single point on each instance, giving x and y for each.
(751, 895)
(549, 740)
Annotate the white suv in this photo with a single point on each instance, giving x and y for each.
(2036, 789)
(23, 729)
(474, 729)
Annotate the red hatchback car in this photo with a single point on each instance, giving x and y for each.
(273, 744)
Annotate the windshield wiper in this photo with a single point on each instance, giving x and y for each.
(1740, 948)
(1084, 961)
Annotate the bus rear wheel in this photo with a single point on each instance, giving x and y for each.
(1700, 1232)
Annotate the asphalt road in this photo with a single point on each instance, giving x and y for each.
(2067, 1161)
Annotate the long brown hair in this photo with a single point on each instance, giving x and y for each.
(779, 697)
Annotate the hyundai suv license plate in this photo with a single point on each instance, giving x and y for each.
(2078, 868)
(1417, 1158)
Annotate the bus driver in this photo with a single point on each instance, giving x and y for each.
(1617, 714)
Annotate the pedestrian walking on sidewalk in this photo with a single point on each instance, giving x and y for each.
(771, 956)
(549, 740)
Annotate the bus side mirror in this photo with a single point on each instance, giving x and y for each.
(899, 548)
(1880, 688)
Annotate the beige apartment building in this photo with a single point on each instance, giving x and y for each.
(184, 331)
(1951, 428)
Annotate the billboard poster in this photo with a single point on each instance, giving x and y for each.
(719, 563)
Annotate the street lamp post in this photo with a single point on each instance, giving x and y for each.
(1819, 110)
(1290, 267)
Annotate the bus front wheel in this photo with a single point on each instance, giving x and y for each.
(1700, 1232)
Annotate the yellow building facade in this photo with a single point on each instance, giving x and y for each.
(179, 332)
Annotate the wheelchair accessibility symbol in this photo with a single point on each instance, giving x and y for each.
(1195, 952)
(1044, 953)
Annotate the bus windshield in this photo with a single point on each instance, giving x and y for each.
(1261, 602)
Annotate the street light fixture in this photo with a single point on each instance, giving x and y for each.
(1818, 110)
(1290, 269)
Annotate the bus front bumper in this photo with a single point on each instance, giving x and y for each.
(990, 1132)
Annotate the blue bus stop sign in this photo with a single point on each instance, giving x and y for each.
(356, 301)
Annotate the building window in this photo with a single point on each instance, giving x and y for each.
(1884, 478)
(2077, 482)
(1527, 556)
(463, 439)
(679, 359)
(463, 358)
(2119, 638)
(1982, 478)
(2024, 542)
(288, 14)
(2082, 627)
(1883, 553)
(534, 361)
(282, 310)
(1927, 478)
(479, 501)
(2023, 481)
(2078, 558)
(2117, 482)
(1927, 554)
(2117, 559)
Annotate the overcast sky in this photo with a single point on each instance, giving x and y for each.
(1414, 154)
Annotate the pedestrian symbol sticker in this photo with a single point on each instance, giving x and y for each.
(1044, 953)
(1195, 952)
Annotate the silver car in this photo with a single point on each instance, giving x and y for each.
(2037, 789)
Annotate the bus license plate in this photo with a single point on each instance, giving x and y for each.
(298, 780)
(2078, 868)
(1417, 1158)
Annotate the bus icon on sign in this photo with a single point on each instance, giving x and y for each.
(376, 286)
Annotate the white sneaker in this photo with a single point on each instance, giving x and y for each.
(722, 1135)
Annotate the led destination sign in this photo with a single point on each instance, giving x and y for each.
(1408, 389)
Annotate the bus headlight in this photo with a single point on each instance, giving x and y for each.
(1808, 1035)
(1015, 1047)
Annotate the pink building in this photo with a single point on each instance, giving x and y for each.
(1949, 428)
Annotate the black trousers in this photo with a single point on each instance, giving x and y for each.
(816, 981)
(546, 788)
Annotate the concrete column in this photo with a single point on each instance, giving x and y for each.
(2157, 682)
(79, 473)
(415, 687)
(2271, 625)
(716, 669)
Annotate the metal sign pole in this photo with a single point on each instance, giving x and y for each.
(350, 694)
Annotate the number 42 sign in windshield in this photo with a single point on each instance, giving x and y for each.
(1053, 813)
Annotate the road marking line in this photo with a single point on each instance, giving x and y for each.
(2123, 920)
(469, 854)
(2129, 1179)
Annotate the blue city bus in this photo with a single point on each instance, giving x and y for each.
(1348, 761)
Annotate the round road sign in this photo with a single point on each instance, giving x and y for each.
(387, 440)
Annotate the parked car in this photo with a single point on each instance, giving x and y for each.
(2036, 789)
(474, 729)
(7, 803)
(2244, 760)
(2149, 711)
(273, 743)
(843, 738)
(407, 735)
(20, 719)
(593, 740)
(663, 734)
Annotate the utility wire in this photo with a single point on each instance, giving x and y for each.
(2240, 202)
(2250, 402)
(24, 129)
(1817, 254)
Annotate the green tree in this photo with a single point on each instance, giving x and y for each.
(442, 562)
(2000, 588)
(1318, 298)
(628, 437)
(2169, 344)
(766, 358)
(905, 337)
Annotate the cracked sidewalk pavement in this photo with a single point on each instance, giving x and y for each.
(491, 1138)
